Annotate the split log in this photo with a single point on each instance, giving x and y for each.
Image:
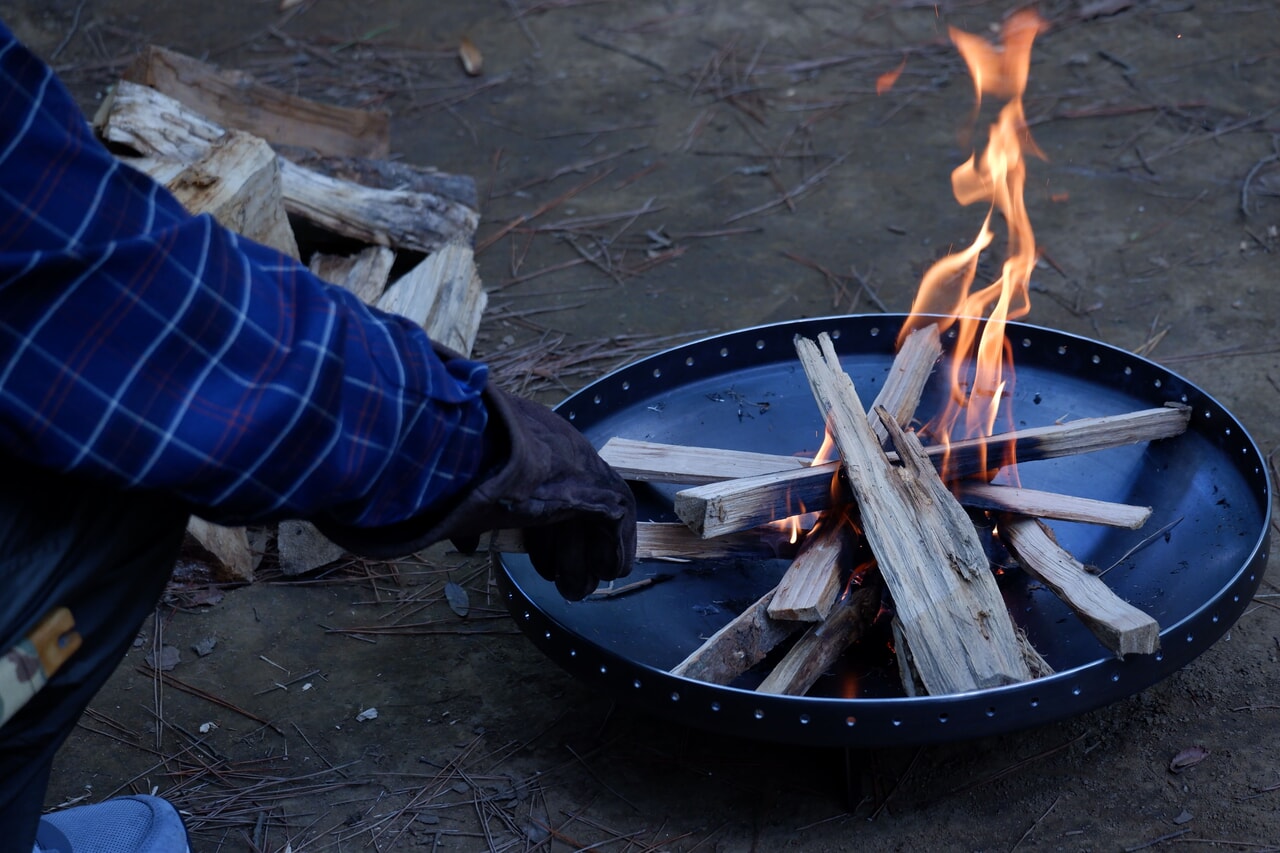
(401, 219)
(912, 365)
(740, 504)
(1118, 625)
(237, 181)
(303, 548)
(808, 589)
(926, 548)
(649, 461)
(365, 273)
(723, 507)
(387, 174)
(644, 461)
(443, 294)
(820, 646)
(657, 540)
(230, 546)
(1038, 504)
(234, 99)
(739, 645)
(155, 125)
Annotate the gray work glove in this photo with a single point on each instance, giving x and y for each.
(578, 515)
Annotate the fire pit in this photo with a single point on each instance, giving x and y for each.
(746, 391)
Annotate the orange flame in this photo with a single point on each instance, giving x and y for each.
(982, 369)
(827, 451)
(886, 80)
(803, 522)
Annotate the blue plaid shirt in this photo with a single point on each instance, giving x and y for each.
(151, 349)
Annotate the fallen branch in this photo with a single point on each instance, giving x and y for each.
(1038, 504)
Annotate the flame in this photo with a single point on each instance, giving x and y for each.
(804, 521)
(996, 176)
(827, 451)
(795, 526)
(886, 80)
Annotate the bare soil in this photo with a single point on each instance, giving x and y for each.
(1156, 210)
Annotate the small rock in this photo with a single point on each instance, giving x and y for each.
(1189, 757)
(166, 660)
(457, 597)
(367, 714)
(1184, 817)
(204, 647)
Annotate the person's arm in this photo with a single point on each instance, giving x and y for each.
(150, 349)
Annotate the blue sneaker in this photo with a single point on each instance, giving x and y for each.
(123, 825)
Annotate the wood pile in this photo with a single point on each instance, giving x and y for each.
(313, 181)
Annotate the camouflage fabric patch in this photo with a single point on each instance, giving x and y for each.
(21, 676)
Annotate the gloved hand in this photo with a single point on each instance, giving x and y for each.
(578, 515)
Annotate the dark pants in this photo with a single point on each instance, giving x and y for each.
(106, 556)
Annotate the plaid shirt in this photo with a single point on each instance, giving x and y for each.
(151, 349)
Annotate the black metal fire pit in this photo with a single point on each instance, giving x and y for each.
(745, 390)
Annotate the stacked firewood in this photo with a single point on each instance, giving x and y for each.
(304, 178)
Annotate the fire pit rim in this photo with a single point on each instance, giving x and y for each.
(829, 720)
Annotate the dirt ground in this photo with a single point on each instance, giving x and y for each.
(741, 169)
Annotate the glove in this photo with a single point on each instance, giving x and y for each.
(578, 515)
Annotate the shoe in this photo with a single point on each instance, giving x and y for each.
(122, 825)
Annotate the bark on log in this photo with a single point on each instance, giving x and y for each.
(155, 125)
(927, 550)
(234, 99)
(717, 508)
(401, 219)
(820, 646)
(1118, 625)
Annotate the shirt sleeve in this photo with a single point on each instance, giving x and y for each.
(155, 350)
